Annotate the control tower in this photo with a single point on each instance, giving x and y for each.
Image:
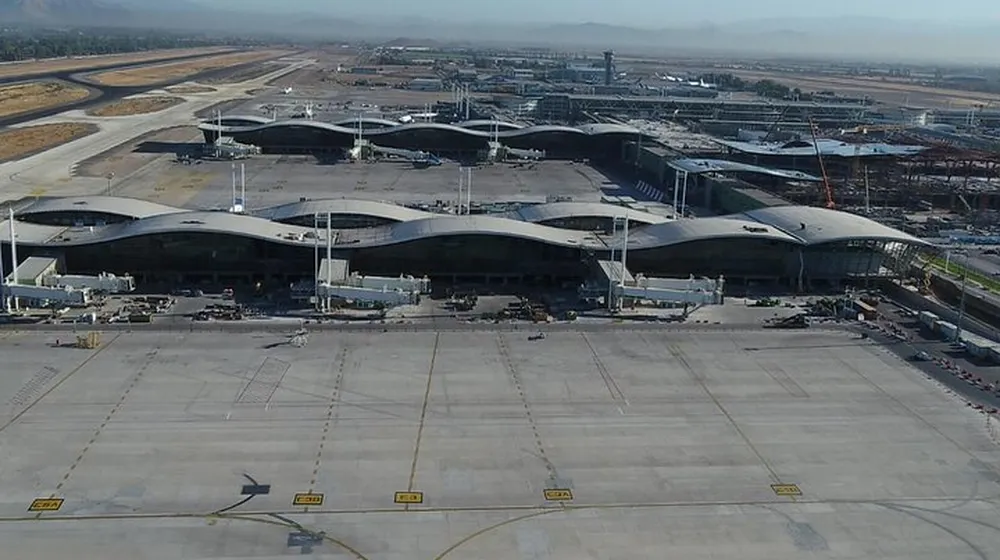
(609, 67)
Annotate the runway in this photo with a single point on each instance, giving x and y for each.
(100, 93)
(51, 172)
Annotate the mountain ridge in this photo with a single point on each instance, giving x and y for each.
(845, 37)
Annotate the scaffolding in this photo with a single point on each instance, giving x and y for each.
(88, 341)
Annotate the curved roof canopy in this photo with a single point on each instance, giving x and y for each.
(342, 206)
(128, 207)
(539, 213)
(695, 166)
(798, 225)
(349, 127)
(814, 225)
(826, 146)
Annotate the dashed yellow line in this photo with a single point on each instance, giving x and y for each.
(332, 415)
(423, 418)
(46, 393)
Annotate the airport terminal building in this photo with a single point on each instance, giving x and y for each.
(800, 247)
(463, 140)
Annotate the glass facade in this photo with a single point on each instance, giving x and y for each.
(73, 218)
(292, 138)
(340, 221)
(189, 254)
(858, 258)
(747, 258)
(471, 255)
(181, 255)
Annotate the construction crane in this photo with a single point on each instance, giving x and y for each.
(774, 126)
(822, 166)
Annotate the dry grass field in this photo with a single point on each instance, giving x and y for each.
(153, 74)
(16, 143)
(22, 98)
(32, 68)
(886, 91)
(181, 90)
(136, 106)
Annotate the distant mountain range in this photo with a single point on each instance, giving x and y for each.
(79, 12)
(846, 37)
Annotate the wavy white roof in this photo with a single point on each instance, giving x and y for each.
(702, 229)
(502, 125)
(480, 224)
(819, 225)
(791, 224)
(121, 206)
(559, 210)
(342, 206)
(349, 127)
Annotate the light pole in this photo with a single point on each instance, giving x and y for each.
(961, 301)
(109, 177)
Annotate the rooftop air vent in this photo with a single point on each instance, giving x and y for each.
(80, 203)
(755, 229)
(193, 222)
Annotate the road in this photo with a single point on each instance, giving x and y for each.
(51, 172)
(920, 339)
(981, 262)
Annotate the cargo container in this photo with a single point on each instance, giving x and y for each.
(927, 319)
(946, 330)
(975, 345)
(994, 353)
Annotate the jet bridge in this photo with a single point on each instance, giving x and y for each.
(615, 283)
(336, 282)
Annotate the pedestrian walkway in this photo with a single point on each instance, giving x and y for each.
(650, 191)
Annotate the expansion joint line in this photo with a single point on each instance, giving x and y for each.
(423, 417)
(332, 415)
(150, 357)
(682, 359)
(519, 387)
(609, 381)
(890, 397)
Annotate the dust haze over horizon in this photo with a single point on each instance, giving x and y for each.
(960, 31)
(638, 13)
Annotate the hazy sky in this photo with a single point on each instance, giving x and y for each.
(646, 13)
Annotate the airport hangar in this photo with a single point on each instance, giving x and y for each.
(462, 140)
(802, 247)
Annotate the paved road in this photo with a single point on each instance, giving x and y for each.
(981, 262)
(949, 362)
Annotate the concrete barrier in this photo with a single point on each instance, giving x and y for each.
(914, 300)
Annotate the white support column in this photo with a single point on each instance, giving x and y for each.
(677, 186)
(232, 165)
(3, 285)
(316, 259)
(13, 258)
(684, 195)
(461, 181)
(243, 188)
(329, 253)
(611, 259)
(624, 254)
(468, 193)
